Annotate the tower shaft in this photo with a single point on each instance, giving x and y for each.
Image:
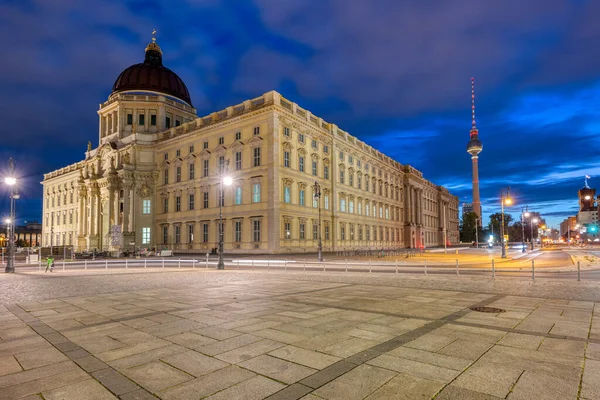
(474, 147)
(476, 199)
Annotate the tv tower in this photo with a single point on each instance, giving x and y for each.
(474, 147)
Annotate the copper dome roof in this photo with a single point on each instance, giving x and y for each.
(153, 76)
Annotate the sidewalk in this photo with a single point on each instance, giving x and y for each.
(243, 335)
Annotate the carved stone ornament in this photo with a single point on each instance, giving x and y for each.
(144, 190)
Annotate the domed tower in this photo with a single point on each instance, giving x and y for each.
(474, 147)
(146, 98)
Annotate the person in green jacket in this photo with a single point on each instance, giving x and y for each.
(50, 265)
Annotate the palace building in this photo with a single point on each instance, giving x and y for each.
(154, 179)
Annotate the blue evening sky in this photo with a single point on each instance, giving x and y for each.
(395, 74)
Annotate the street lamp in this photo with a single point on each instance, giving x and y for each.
(524, 214)
(317, 195)
(533, 221)
(508, 201)
(225, 180)
(11, 181)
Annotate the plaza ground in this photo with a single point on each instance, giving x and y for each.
(195, 333)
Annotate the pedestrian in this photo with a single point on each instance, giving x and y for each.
(50, 265)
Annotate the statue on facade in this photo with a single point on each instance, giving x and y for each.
(89, 147)
(126, 158)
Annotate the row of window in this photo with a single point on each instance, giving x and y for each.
(52, 221)
(287, 132)
(191, 199)
(221, 166)
(204, 232)
(50, 200)
(59, 239)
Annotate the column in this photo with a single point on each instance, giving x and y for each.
(111, 207)
(80, 220)
(93, 212)
(126, 188)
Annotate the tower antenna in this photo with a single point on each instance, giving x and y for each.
(473, 103)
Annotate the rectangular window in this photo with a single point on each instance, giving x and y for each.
(177, 203)
(326, 201)
(351, 179)
(177, 122)
(313, 144)
(256, 193)
(286, 131)
(367, 209)
(315, 228)
(341, 156)
(325, 149)
(145, 235)
(314, 168)
(153, 120)
(342, 205)
(301, 137)
(71, 218)
(286, 159)
(359, 181)
(360, 232)
(191, 201)
(326, 171)
(287, 197)
(351, 207)
(166, 177)
(192, 171)
(380, 212)
(166, 156)
(287, 227)
(238, 160)
(302, 232)
(342, 232)
(205, 168)
(257, 156)
(205, 145)
(238, 231)
(350, 160)
(326, 232)
(190, 233)
(168, 122)
(141, 120)
(256, 230)
(221, 197)
(177, 174)
(341, 176)
(301, 163)
(359, 207)
(205, 233)
(129, 119)
(165, 234)
(367, 184)
(146, 205)
(177, 234)
(238, 195)
(301, 197)
(387, 213)
(315, 200)
(221, 140)
(351, 231)
(368, 232)
(166, 205)
(205, 195)
(256, 130)
(238, 135)
(191, 148)
(221, 164)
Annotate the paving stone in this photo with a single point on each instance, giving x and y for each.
(12, 347)
(255, 388)
(114, 381)
(593, 351)
(139, 394)
(591, 384)
(521, 341)
(431, 342)
(539, 386)
(9, 365)
(322, 341)
(356, 384)
(406, 387)
(216, 332)
(280, 336)
(207, 384)
(440, 360)
(146, 357)
(494, 380)
(249, 351)
(292, 392)
(131, 350)
(467, 349)
(305, 357)
(37, 373)
(228, 344)
(275, 368)
(194, 363)
(156, 376)
(327, 374)
(42, 384)
(563, 346)
(190, 340)
(90, 364)
(90, 388)
(414, 368)
(452, 392)
(349, 347)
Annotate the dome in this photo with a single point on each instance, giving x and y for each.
(151, 75)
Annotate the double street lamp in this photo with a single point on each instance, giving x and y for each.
(317, 196)
(11, 181)
(227, 181)
(508, 201)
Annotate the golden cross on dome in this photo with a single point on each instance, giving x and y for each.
(153, 36)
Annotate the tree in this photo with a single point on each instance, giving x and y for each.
(496, 219)
(515, 232)
(467, 227)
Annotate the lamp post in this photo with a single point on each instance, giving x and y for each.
(533, 221)
(317, 195)
(504, 199)
(11, 181)
(523, 215)
(225, 180)
(476, 233)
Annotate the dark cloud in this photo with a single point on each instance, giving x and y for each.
(394, 74)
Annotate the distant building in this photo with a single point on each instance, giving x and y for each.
(568, 225)
(467, 208)
(587, 216)
(30, 234)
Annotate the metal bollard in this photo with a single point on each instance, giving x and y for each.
(180, 263)
(268, 264)
(145, 259)
(396, 266)
(238, 262)
(105, 264)
(193, 263)
(323, 267)
(125, 263)
(533, 269)
(163, 262)
(457, 266)
(206, 260)
(63, 263)
(578, 271)
(252, 268)
(370, 267)
(493, 269)
(425, 266)
(346, 265)
(85, 264)
(285, 265)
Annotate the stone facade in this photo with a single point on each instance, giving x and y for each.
(147, 185)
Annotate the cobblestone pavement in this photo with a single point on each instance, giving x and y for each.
(241, 335)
